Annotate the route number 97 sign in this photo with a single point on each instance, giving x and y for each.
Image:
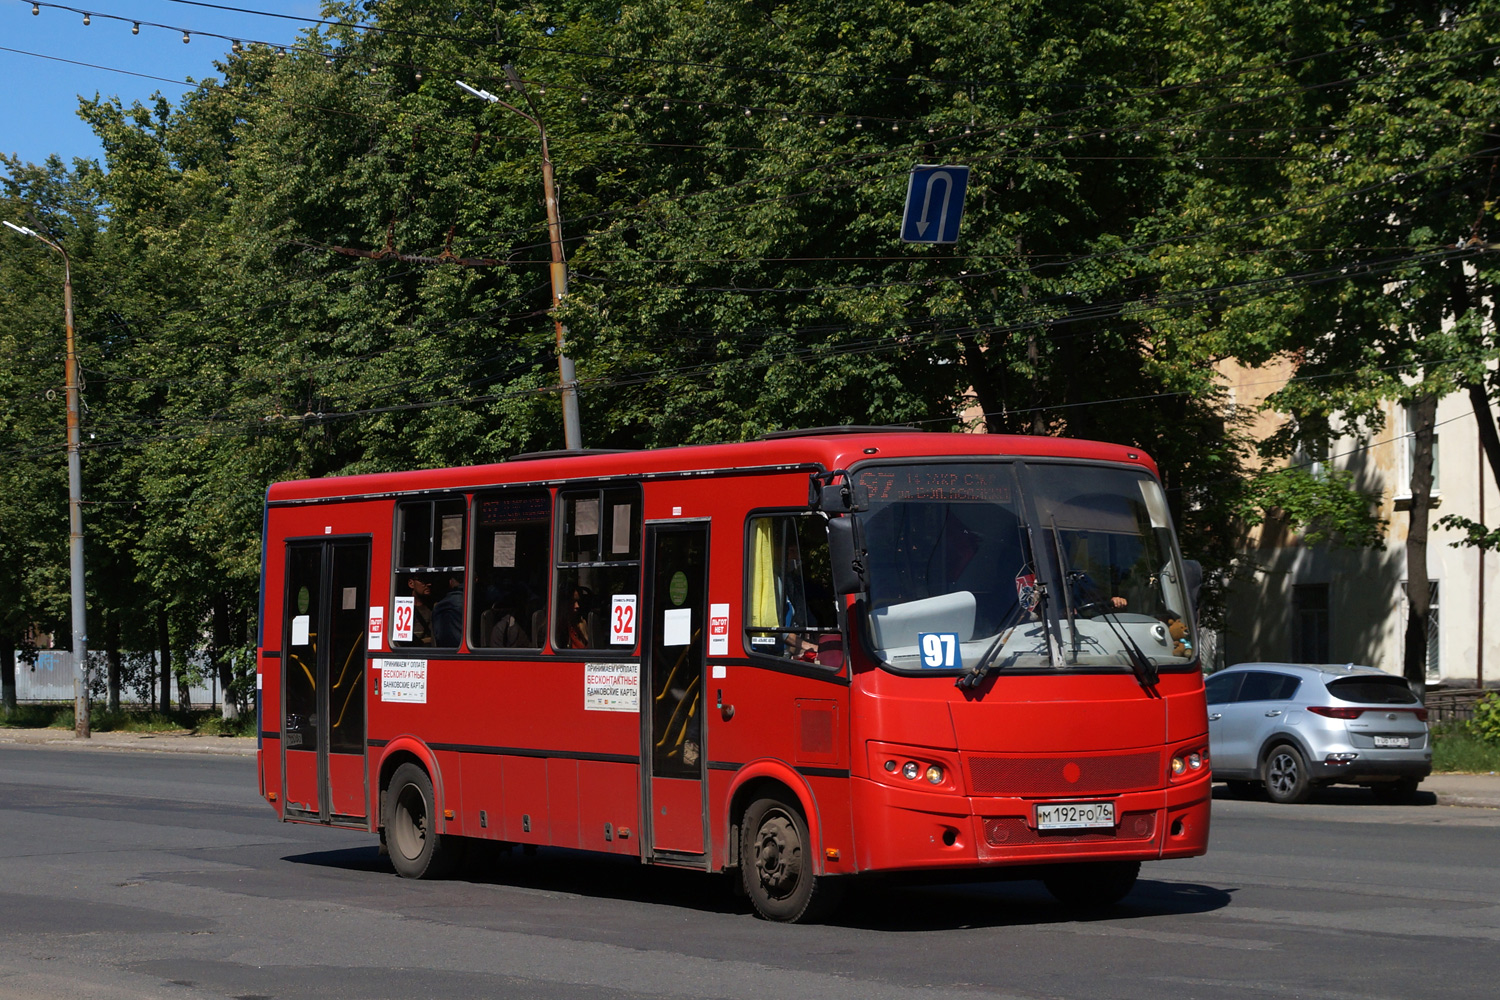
(939, 650)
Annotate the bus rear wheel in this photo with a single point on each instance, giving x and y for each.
(1092, 884)
(776, 868)
(411, 837)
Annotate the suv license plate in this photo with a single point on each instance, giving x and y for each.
(1403, 742)
(1075, 815)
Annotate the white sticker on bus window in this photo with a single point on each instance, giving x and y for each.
(300, 626)
(351, 598)
(404, 680)
(402, 615)
(677, 626)
(622, 620)
(376, 633)
(1156, 504)
(620, 541)
(939, 650)
(453, 532)
(586, 517)
(718, 630)
(505, 549)
(611, 687)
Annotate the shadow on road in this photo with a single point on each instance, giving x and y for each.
(872, 903)
(874, 906)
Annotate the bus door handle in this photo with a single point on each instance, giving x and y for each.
(727, 711)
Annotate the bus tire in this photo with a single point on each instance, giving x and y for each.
(776, 867)
(1092, 884)
(416, 848)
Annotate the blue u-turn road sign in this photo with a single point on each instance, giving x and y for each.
(934, 204)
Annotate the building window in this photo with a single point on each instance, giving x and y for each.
(1408, 455)
(1313, 456)
(1434, 644)
(1310, 623)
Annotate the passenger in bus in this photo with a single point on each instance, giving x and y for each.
(507, 632)
(576, 619)
(421, 618)
(448, 615)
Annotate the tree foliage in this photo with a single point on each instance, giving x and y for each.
(333, 260)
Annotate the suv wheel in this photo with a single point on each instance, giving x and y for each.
(1286, 775)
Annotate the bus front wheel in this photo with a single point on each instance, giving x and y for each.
(776, 868)
(411, 837)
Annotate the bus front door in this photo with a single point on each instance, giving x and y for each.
(672, 730)
(323, 691)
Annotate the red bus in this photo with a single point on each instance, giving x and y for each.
(815, 655)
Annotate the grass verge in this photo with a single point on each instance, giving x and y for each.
(207, 722)
(1455, 749)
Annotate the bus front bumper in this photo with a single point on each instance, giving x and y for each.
(913, 829)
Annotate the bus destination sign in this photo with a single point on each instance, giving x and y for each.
(895, 484)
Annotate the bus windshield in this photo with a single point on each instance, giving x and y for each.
(1038, 566)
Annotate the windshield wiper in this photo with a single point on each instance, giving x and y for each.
(1066, 579)
(1145, 671)
(972, 675)
(1140, 664)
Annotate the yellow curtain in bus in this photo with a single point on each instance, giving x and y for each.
(762, 577)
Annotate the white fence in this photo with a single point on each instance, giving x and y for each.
(51, 679)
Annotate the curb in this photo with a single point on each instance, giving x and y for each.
(166, 742)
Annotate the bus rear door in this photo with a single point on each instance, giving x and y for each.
(675, 621)
(323, 671)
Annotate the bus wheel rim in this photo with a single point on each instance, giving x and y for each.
(411, 823)
(778, 855)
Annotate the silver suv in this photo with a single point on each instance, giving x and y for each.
(1295, 726)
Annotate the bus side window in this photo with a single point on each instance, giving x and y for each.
(511, 560)
(791, 611)
(598, 559)
(428, 605)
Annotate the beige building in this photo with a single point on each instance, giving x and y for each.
(1323, 604)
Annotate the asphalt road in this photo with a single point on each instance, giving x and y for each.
(128, 875)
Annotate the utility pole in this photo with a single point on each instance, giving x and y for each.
(572, 434)
(81, 728)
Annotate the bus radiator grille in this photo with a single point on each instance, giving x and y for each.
(1071, 775)
(1013, 831)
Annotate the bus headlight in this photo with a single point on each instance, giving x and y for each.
(910, 770)
(1188, 762)
(934, 775)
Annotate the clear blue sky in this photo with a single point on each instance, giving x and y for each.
(39, 93)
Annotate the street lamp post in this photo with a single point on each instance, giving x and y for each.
(75, 502)
(572, 433)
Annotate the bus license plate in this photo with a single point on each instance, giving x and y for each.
(1403, 742)
(1075, 815)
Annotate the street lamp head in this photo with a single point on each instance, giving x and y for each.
(484, 94)
(20, 229)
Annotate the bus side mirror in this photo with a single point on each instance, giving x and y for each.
(846, 556)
